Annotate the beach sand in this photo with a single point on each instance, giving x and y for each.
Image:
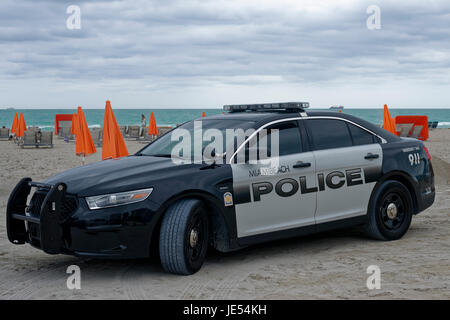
(328, 265)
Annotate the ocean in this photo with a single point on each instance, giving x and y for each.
(45, 118)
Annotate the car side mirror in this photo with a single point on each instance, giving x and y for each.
(210, 154)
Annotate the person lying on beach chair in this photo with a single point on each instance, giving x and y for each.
(44, 139)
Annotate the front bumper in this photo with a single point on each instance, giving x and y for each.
(120, 232)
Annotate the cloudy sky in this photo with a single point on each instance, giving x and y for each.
(200, 53)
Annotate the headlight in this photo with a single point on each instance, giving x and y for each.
(117, 199)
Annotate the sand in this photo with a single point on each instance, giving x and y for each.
(328, 265)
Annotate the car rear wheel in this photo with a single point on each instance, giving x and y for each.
(183, 239)
(391, 211)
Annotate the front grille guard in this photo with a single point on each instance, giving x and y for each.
(51, 233)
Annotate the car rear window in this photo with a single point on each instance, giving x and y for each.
(329, 134)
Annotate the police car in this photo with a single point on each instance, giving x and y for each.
(334, 170)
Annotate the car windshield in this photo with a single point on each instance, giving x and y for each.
(164, 146)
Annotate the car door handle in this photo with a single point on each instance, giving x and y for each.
(370, 156)
(302, 164)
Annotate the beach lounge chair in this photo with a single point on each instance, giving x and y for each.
(163, 130)
(434, 124)
(29, 139)
(416, 132)
(123, 130)
(4, 133)
(44, 139)
(404, 129)
(97, 135)
(66, 135)
(146, 138)
(64, 130)
(133, 132)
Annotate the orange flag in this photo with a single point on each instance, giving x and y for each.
(113, 144)
(388, 122)
(15, 123)
(73, 125)
(152, 128)
(21, 127)
(84, 143)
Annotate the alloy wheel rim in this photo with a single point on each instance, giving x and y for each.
(393, 211)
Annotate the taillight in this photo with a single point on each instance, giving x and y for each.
(428, 154)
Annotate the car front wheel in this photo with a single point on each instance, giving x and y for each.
(184, 237)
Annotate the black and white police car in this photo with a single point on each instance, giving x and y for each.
(334, 171)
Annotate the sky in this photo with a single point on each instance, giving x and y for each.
(202, 53)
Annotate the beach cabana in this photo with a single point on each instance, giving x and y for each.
(61, 121)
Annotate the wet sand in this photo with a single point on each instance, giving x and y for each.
(327, 265)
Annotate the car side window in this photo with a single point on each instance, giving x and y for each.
(289, 138)
(329, 133)
(360, 136)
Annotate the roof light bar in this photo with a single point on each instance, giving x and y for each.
(296, 106)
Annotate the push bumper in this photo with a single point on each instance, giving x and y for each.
(118, 232)
(48, 222)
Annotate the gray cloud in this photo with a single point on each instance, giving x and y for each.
(156, 47)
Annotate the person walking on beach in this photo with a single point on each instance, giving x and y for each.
(143, 125)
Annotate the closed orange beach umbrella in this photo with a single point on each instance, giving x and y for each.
(22, 127)
(388, 122)
(15, 123)
(203, 114)
(73, 125)
(113, 144)
(84, 143)
(152, 127)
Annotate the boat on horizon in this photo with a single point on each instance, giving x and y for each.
(341, 108)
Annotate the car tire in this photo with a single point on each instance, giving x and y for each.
(183, 239)
(390, 212)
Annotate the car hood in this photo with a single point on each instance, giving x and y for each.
(115, 175)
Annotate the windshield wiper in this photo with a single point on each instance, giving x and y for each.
(161, 155)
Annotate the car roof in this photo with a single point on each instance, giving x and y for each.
(261, 118)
